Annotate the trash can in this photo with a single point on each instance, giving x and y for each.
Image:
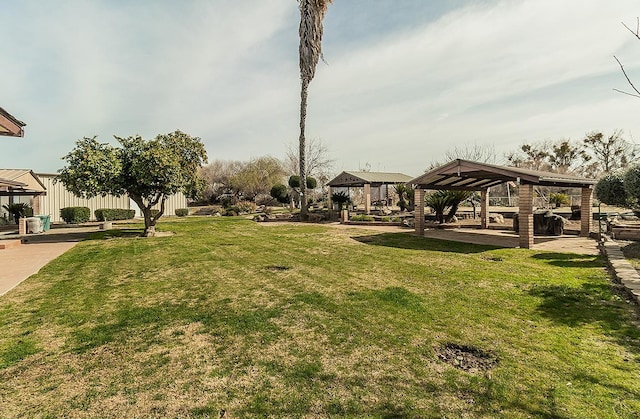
(34, 225)
(45, 222)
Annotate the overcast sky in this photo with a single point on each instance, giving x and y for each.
(404, 80)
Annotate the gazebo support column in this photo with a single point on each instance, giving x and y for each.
(525, 216)
(329, 200)
(367, 198)
(585, 212)
(484, 208)
(419, 211)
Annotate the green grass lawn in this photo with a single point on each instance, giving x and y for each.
(306, 320)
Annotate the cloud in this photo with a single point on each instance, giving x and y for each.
(403, 84)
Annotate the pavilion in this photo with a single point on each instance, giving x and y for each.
(367, 180)
(474, 176)
(10, 126)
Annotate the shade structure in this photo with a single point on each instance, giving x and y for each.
(468, 175)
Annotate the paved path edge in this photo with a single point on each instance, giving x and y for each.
(623, 271)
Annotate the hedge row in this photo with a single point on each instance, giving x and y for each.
(107, 214)
(75, 215)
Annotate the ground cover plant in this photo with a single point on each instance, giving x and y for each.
(304, 320)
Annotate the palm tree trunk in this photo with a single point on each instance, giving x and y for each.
(303, 157)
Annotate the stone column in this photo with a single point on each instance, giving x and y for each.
(329, 200)
(419, 212)
(525, 216)
(484, 208)
(22, 226)
(367, 198)
(36, 205)
(585, 212)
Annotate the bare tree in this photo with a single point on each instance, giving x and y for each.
(635, 33)
(311, 15)
(484, 153)
(610, 153)
(319, 163)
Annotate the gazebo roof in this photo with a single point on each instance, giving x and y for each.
(10, 125)
(373, 178)
(469, 175)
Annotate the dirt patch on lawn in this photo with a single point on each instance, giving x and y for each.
(467, 358)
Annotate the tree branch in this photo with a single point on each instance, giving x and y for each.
(628, 79)
(637, 32)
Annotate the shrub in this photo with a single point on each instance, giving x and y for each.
(341, 198)
(112, 214)
(182, 212)
(75, 215)
(559, 199)
(19, 210)
(280, 193)
(154, 212)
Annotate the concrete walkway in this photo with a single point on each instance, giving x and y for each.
(20, 262)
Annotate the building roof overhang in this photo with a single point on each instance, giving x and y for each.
(10, 126)
(469, 175)
(359, 179)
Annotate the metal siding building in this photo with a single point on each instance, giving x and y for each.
(59, 197)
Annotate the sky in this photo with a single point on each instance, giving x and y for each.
(403, 81)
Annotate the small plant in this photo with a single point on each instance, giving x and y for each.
(75, 215)
(559, 199)
(182, 212)
(18, 210)
(340, 198)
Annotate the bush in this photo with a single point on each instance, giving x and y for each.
(154, 212)
(559, 199)
(280, 193)
(75, 215)
(182, 212)
(112, 214)
(610, 190)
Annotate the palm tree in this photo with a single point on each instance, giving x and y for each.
(311, 14)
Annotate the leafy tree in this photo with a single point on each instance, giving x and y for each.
(279, 192)
(631, 182)
(610, 189)
(148, 171)
(310, 50)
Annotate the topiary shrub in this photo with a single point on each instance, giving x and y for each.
(113, 214)
(182, 212)
(75, 215)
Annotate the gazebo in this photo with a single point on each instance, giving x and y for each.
(9, 125)
(366, 180)
(474, 176)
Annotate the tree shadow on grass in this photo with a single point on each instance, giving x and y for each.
(406, 241)
(591, 303)
(570, 260)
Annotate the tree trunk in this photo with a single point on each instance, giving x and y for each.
(303, 175)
